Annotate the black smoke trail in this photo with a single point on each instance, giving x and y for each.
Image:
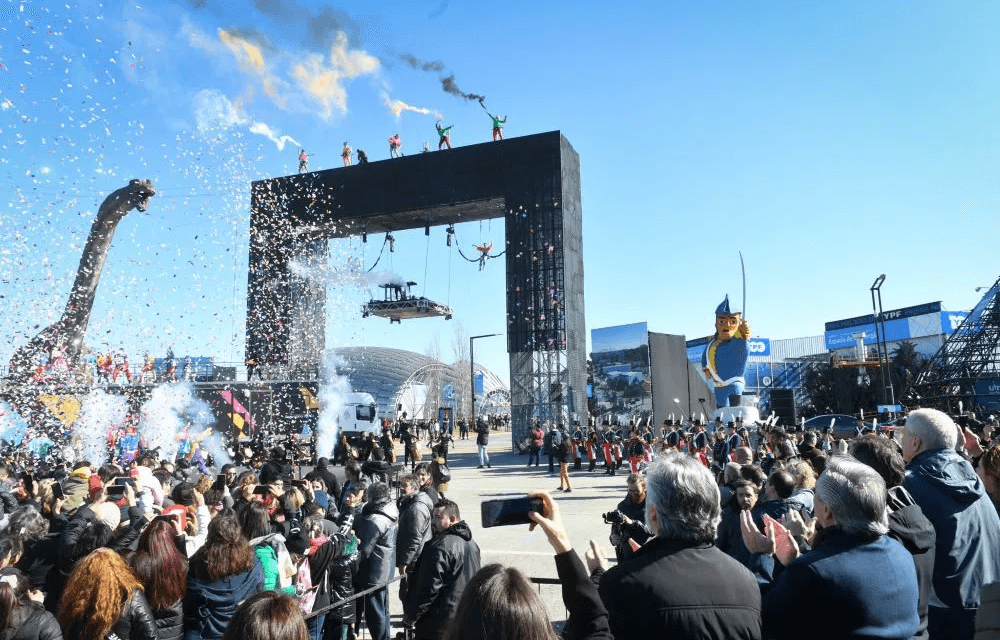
(448, 84)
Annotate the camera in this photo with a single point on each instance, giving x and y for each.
(614, 517)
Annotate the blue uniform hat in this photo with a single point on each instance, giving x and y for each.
(723, 308)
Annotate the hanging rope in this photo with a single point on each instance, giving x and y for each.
(427, 253)
(384, 242)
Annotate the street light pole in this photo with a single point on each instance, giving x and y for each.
(472, 372)
(881, 343)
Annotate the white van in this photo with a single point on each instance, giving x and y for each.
(359, 416)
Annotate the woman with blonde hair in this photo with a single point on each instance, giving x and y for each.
(103, 597)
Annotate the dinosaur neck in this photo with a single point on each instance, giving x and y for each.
(76, 316)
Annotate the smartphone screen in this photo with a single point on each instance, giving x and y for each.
(122, 481)
(178, 512)
(509, 511)
(57, 491)
(261, 489)
(116, 491)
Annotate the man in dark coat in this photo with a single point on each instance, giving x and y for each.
(856, 582)
(482, 440)
(377, 555)
(679, 585)
(729, 538)
(951, 495)
(633, 524)
(415, 509)
(278, 468)
(446, 565)
(907, 523)
(326, 474)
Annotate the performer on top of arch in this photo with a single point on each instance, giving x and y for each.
(497, 126)
(444, 138)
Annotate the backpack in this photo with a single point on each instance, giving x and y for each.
(443, 473)
(305, 591)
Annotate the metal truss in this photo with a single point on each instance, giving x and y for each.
(967, 359)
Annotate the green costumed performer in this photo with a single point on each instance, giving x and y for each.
(444, 138)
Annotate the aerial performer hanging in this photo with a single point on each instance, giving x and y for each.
(484, 253)
(725, 357)
(444, 137)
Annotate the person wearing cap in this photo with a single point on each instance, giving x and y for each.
(725, 357)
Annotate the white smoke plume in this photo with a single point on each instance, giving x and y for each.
(333, 397)
(170, 410)
(99, 413)
(262, 129)
(398, 106)
(213, 111)
(348, 275)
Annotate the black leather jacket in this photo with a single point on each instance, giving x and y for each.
(31, 622)
(170, 622)
(135, 623)
(446, 565)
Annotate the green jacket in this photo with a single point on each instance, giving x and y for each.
(269, 560)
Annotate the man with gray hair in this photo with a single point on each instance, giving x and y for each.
(951, 495)
(856, 582)
(678, 584)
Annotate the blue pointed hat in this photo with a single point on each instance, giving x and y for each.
(723, 308)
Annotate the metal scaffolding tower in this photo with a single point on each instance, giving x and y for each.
(967, 366)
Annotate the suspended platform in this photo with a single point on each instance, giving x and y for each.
(398, 305)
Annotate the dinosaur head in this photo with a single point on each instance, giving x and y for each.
(139, 193)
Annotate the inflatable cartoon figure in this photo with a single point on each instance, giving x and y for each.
(725, 357)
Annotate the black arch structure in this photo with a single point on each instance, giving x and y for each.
(533, 182)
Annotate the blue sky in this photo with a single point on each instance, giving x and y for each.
(829, 142)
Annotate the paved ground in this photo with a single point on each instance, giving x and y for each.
(592, 495)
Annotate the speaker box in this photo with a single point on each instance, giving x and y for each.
(783, 405)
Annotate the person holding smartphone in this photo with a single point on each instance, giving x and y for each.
(505, 597)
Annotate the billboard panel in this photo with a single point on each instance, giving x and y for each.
(675, 377)
(622, 386)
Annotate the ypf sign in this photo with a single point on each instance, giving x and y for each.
(759, 346)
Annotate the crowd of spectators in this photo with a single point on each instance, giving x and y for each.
(784, 535)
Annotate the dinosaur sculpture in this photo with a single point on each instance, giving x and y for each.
(66, 334)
